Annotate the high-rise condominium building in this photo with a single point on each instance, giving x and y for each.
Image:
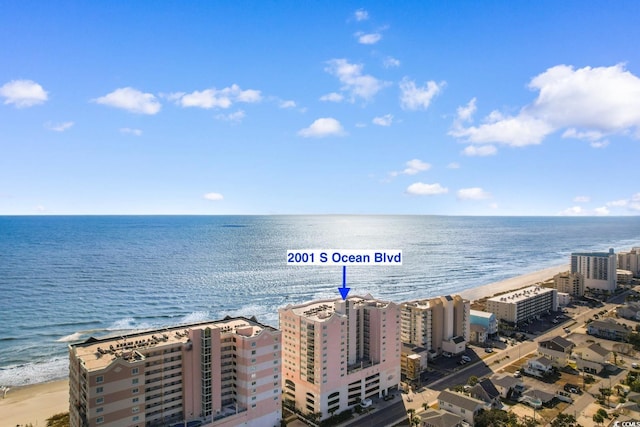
(223, 373)
(598, 269)
(439, 324)
(630, 261)
(338, 352)
(569, 283)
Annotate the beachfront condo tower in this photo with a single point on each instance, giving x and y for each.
(222, 373)
(440, 325)
(630, 261)
(598, 269)
(337, 353)
(569, 283)
(524, 304)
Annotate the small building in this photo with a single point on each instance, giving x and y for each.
(624, 277)
(539, 367)
(479, 334)
(630, 310)
(465, 407)
(564, 299)
(440, 418)
(413, 361)
(557, 350)
(456, 345)
(592, 358)
(487, 392)
(545, 398)
(507, 384)
(608, 329)
(485, 319)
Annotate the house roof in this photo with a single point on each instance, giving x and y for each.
(558, 344)
(439, 418)
(506, 381)
(458, 339)
(613, 326)
(487, 386)
(460, 400)
(542, 395)
(543, 361)
(599, 349)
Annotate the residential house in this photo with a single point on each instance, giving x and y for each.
(487, 392)
(539, 367)
(545, 398)
(557, 350)
(464, 406)
(479, 334)
(440, 418)
(592, 358)
(630, 310)
(506, 385)
(608, 329)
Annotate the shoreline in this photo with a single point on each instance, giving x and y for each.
(35, 403)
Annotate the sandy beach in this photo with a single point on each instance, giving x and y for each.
(35, 403)
(513, 283)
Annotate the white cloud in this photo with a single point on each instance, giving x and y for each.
(493, 205)
(371, 38)
(474, 193)
(414, 167)
(601, 211)
(390, 62)
(40, 209)
(582, 199)
(479, 151)
(23, 93)
(415, 98)
(465, 114)
(131, 131)
(287, 104)
(332, 97)
(385, 120)
(573, 211)
(213, 196)
(361, 15)
(132, 100)
(58, 127)
(453, 165)
(323, 127)
(422, 189)
(235, 117)
(618, 203)
(600, 144)
(590, 103)
(353, 81)
(216, 98)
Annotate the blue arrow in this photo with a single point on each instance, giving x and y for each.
(344, 291)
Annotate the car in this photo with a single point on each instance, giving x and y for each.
(634, 365)
(517, 374)
(567, 330)
(466, 358)
(446, 354)
(366, 403)
(572, 388)
(554, 321)
(488, 350)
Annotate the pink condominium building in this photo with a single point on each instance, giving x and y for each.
(222, 373)
(336, 353)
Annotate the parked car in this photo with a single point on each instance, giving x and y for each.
(634, 365)
(517, 374)
(466, 358)
(366, 403)
(488, 350)
(571, 388)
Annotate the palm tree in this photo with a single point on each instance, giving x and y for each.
(425, 406)
(416, 421)
(411, 412)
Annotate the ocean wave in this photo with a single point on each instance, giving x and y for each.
(34, 373)
(76, 336)
(195, 317)
(128, 324)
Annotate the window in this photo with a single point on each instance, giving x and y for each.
(136, 418)
(99, 420)
(134, 391)
(134, 381)
(99, 390)
(99, 400)
(253, 352)
(135, 400)
(135, 409)
(134, 371)
(253, 344)
(100, 409)
(99, 379)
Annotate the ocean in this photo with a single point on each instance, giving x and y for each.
(66, 278)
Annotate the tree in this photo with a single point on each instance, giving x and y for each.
(615, 358)
(411, 412)
(473, 380)
(597, 418)
(416, 421)
(565, 420)
(495, 417)
(602, 413)
(425, 406)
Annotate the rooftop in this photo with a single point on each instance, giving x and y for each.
(522, 294)
(460, 400)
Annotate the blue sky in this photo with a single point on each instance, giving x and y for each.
(289, 107)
